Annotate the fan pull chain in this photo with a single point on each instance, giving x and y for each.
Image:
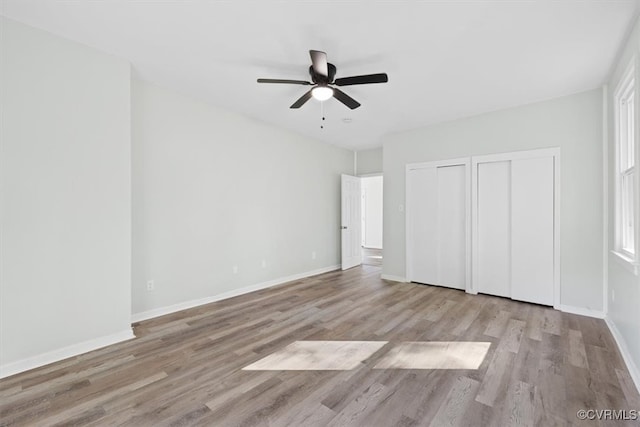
(322, 114)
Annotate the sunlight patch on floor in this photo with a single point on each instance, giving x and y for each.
(318, 356)
(435, 355)
(347, 355)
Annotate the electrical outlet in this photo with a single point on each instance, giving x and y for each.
(151, 285)
(235, 269)
(313, 255)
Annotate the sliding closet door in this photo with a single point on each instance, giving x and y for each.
(532, 246)
(437, 223)
(422, 227)
(492, 249)
(515, 204)
(452, 237)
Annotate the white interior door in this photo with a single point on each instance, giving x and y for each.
(351, 222)
(438, 223)
(492, 249)
(532, 247)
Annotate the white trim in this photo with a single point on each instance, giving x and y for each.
(517, 155)
(408, 229)
(633, 369)
(605, 199)
(64, 353)
(369, 175)
(157, 312)
(597, 314)
(467, 223)
(474, 226)
(627, 79)
(628, 263)
(462, 161)
(636, 149)
(355, 162)
(393, 278)
(627, 75)
(557, 223)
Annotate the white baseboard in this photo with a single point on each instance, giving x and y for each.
(598, 314)
(156, 312)
(393, 278)
(634, 370)
(64, 353)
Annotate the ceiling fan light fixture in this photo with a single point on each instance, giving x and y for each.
(322, 93)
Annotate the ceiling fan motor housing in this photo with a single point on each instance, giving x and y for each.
(321, 79)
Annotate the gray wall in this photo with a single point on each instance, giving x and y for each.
(573, 123)
(65, 196)
(624, 312)
(369, 161)
(213, 190)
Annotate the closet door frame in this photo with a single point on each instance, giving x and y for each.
(517, 155)
(464, 161)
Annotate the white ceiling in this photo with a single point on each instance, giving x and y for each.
(445, 59)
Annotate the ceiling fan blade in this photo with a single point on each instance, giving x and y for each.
(319, 62)
(345, 99)
(362, 80)
(302, 100)
(293, 82)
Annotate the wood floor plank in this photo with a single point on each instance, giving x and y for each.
(550, 397)
(498, 324)
(577, 352)
(527, 362)
(534, 325)
(361, 406)
(519, 406)
(431, 397)
(185, 368)
(394, 408)
(552, 321)
(579, 392)
(317, 415)
(512, 336)
(628, 388)
(496, 379)
(458, 399)
(467, 317)
(435, 313)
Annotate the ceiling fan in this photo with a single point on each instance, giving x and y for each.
(322, 75)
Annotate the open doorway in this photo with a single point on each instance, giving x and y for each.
(371, 236)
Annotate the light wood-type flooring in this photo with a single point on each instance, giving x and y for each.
(372, 256)
(186, 368)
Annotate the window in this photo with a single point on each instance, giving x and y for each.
(625, 165)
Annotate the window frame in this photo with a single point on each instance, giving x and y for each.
(626, 161)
